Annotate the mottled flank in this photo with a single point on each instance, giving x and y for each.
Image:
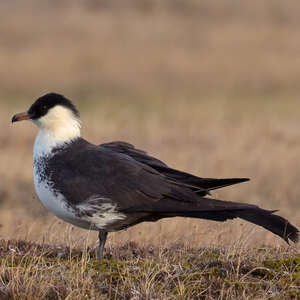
(35, 271)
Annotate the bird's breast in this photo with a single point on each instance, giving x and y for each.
(93, 213)
(51, 198)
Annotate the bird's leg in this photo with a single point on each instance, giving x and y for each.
(102, 240)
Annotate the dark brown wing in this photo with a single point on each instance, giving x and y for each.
(200, 185)
(185, 196)
(99, 170)
(142, 192)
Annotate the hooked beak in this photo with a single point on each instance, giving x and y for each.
(20, 117)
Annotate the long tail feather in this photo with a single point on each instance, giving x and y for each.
(218, 210)
(274, 223)
(265, 218)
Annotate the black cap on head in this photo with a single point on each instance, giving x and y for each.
(42, 105)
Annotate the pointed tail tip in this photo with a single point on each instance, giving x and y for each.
(231, 181)
(242, 179)
(234, 180)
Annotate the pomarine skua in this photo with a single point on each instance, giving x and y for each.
(112, 186)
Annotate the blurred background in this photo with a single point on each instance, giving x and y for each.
(209, 87)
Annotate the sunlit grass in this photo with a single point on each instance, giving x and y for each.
(51, 272)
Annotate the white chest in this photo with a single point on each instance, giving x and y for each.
(92, 214)
(53, 200)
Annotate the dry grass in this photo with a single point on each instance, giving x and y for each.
(170, 48)
(29, 271)
(170, 77)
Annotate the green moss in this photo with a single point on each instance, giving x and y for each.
(242, 285)
(105, 265)
(287, 267)
(293, 294)
(279, 264)
(113, 269)
(205, 256)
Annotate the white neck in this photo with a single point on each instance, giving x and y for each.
(57, 127)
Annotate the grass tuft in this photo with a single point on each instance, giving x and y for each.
(34, 271)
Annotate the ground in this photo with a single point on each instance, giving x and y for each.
(31, 271)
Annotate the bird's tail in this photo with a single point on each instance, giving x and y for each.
(218, 210)
(265, 218)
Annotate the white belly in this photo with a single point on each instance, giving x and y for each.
(104, 215)
(55, 202)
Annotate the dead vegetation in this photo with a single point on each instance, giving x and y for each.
(31, 271)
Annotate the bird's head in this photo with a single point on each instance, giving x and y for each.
(53, 114)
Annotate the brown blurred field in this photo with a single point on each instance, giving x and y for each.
(211, 88)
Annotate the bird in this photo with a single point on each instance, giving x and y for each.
(113, 186)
